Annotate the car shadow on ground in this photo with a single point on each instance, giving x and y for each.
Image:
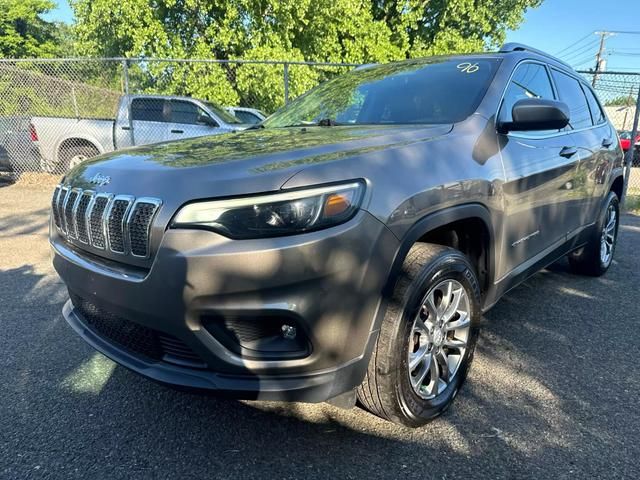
(548, 396)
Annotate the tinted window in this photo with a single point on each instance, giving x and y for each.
(596, 111)
(571, 93)
(412, 92)
(246, 117)
(530, 80)
(186, 112)
(148, 109)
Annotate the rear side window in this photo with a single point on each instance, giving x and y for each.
(530, 80)
(570, 92)
(148, 109)
(597, 114)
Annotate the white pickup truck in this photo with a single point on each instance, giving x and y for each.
(140, 119)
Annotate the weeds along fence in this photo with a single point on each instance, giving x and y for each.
(55, 113)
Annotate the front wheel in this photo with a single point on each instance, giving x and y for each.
(426, 340)
(596, 256)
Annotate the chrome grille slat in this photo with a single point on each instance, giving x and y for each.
(97, 221)
(118, 224)
(116, 218)
(54, 206)
(64, 191)
(139, 225)
(83, 202)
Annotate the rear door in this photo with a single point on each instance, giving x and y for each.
(540, 168)
(189, 120)
(590, 140)
(149, 120)
(605, 142)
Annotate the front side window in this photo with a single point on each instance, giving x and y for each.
(187, 113)
(148, 109)
(530, 80)
(432, 91)
(597, 115)
(571, 93)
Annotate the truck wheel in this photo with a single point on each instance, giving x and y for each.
(71, 157)
(596, 256)
(426, 340)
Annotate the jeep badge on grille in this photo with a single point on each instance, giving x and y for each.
(100, 180)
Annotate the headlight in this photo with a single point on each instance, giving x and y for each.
(275, 214)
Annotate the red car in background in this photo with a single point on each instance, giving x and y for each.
(625, 140)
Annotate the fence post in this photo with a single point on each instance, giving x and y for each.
(286, 83)
(629, 156)
(125, 76)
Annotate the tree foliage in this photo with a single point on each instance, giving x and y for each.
(320, 30)
(23, 32)
(354, 31)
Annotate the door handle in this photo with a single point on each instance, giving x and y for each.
(568, 152)
(126, 128)
(607, 142)
(177, 131)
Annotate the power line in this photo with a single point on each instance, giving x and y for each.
(581, 51)
(588, 35)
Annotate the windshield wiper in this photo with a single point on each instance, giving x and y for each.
(327, 122)
(256, 126)
(324, 122)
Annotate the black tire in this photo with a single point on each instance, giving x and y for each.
(588, 259)
(386, 390)
(73, 156)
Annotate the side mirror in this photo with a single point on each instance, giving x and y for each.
(206, 120)
(536, 114)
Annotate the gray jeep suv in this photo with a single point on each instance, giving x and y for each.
(347, 246)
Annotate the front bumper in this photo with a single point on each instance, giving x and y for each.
(329, 281)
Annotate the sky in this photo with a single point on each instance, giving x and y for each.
(555, 27)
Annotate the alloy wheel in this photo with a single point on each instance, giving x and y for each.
(439, 338)
(608, 237)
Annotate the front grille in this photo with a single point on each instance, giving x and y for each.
(134, 337)
(120, 223)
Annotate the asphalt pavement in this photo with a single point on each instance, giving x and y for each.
(552, 393)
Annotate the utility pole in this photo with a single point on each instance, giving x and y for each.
(599, 55)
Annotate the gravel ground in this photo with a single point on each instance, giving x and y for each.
(553, 392)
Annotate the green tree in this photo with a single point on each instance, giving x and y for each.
(354, 31)
(24, 33)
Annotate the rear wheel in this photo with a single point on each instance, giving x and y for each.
(596, 256)
(72, 156)
(427, 338)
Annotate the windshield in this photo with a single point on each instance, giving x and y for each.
(221, 113)
(625, 135)
(415, 92)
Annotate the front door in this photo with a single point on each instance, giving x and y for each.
(188, 120)
(540, 169)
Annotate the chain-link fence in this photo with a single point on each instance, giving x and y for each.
(619, 93)
(55, 113)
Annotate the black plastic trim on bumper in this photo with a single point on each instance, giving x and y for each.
(313, 387)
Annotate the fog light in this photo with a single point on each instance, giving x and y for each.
(288, 331)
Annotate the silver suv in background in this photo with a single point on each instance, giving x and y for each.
(64, 143)
(247, 115)
(349, 244)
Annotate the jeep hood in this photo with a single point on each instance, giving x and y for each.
(238, 163)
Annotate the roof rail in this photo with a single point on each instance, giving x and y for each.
(520, 47)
